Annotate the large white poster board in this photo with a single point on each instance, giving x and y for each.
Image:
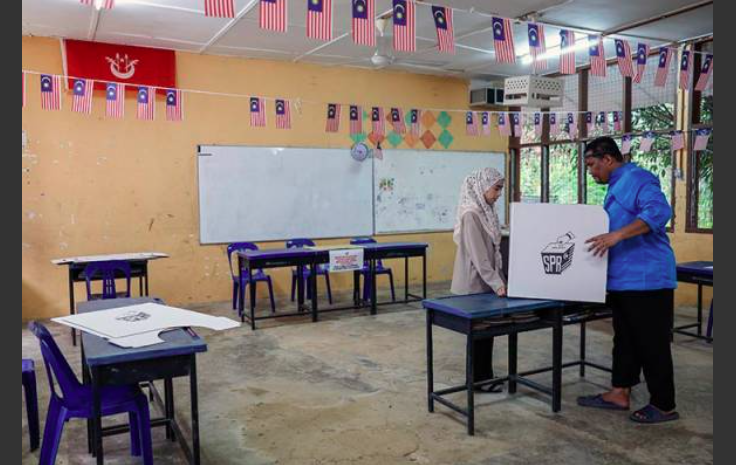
(548, 257)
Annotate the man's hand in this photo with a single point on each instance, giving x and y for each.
(600, 244)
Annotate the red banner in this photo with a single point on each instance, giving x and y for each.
(125, 64)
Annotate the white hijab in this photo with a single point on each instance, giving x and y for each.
(472, 199)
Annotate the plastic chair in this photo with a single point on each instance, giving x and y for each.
(322, 270)
(366, 272)
(76, 401)
(108, 271)
(258, 275)
(28, 379)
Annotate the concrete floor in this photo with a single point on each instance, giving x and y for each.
(352, 390)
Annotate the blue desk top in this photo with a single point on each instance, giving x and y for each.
(297, 252)
(701, 268)
(479, 306)
(99, 352)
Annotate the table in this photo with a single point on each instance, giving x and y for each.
(469, 315)
(138, 269)
(106, 364)
(700, 273)
(303, 258)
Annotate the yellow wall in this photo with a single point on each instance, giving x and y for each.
(96, 186)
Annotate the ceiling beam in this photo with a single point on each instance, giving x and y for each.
(94, 23)
(228, 27)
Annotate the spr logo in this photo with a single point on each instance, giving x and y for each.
(557, 256)
(133, 317)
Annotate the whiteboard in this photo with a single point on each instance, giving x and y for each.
(418, 191)
(273, 194)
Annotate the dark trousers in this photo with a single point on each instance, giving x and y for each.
(483, 360)
(642, 322)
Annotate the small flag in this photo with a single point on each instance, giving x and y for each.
(319, 19)
(471, 124)
(618, 121)
(146, 103)
(538, 127)
(516, 122)
(333, 117)
(567, 47)
(663, 67)
(685, 65)
(416, 126)
(626, 144)
(364, 26)
(283, 114)
(537, 46)
(603, 122)
(405, 27)
(272, 15)
(623, 54)
(114, 100)
(485, 123)
(219, 8)
(50, 92)
(445, 29)
(257, 112)
(589, 122)
(378, 121)
(597, 54)
(647, 141)
(107, 4)
(356, 120)
(503, 40)
(174, 105)
(554, 127)
(503, 125)
(572, 126)
(23, 88)
(82, 96)
(678, 140)
(702, 137)
(705, 73)
(642, 54)
(397, 120)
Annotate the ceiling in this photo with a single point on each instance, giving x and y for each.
(181, 25)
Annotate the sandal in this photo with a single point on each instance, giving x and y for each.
(651, 415)
(597, 401)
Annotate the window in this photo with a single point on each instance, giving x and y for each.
(528, 132)
(659, 162)
(563, 174)
(531, 175)
(703, 187)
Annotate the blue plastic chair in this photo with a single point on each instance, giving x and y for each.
(108, 271)
(366, 272)
(76, 402)
(322, 270)
(258, 275)
(28, 378)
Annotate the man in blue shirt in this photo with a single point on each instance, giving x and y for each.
(642, 278)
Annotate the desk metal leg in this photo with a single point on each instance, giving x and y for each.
(557, 363)
(195, 411)
(469, 382)
(406, 279)
(513, 361)
(709, 332)
(700, 310)
(145, 273)
(583, 346)
(241, 293)
(97, 416)
(424, 275)
(430, 362)
(374, 293)
(169, 408)
(300, 288)
(72, 307)
(252, 291)
(313, 287)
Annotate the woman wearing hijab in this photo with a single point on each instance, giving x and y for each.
(478, 263)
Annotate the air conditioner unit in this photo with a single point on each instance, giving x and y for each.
(486, 96)
(533, 91)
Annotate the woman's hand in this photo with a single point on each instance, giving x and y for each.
(501, 292)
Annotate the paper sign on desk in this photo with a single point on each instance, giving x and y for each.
(346, 260)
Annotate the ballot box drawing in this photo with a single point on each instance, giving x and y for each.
(557, 256)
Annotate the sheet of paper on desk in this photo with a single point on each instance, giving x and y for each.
(144, 318)
(104, 258)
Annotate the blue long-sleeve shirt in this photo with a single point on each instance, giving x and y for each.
(645, 262)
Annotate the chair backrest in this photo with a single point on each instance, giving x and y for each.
(57, 366)
(235, 247)
(299, 243)
(107, 271)
(364, 241)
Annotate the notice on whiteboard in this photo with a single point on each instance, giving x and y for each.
(346, 260)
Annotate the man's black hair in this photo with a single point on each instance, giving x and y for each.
(603, 146)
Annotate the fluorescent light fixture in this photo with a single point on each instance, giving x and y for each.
(554, 52)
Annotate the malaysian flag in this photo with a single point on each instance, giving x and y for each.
(626, 144)
(364, 26)
(283, 114)
(642, 54)
(503, 125)
(647, 141)
(589, 122)
(685, 65)
(516, 123)
(114, 100)
(623, 54)
(219, 8)
(378, 122)
(445, 30)
(257, 112)
(356, 120)
(537, 46)
(273, 15)
(319, 19)
(678, 140)
(82, 96)
(702, 137)
(554, 127)
(405, 26)
(597, 54)
(397, 120)
(471, 124)
(107, 4)
(503, 40)
(538, 127)
(663, 67)
(705, 73)
(333, 117)
(567, 47)
(572, 126)
(617, 121)
(146, 103)
(50, 92)
(416, 126)
(603, 122)
(174, 105)
(485, 123)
